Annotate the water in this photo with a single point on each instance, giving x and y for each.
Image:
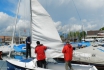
(3, 65)
(14, 55)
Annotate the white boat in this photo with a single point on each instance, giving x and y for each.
(90, 55)
(5, 49)
(31, 64)
(8, 49)
(43, 30)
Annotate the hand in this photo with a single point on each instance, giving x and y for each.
(28, 42)
(48, 48)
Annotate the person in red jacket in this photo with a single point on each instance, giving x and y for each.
(68, 54)
(40, 51)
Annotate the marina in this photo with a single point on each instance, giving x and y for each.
(45, 28)
(52, 62)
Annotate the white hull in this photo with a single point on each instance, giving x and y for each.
(91, 55)
(6, 49)
(51, 65)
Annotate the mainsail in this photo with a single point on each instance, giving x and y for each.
(43, 29)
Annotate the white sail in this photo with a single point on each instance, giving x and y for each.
(43, 28)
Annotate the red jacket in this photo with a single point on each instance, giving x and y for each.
(68, 52)
(40, 51)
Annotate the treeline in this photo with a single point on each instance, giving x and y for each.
(101, 28)
(73, 35)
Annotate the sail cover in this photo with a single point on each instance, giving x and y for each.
(44, 30)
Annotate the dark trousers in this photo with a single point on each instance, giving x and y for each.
(41, 63)
(28, 51)
(68, 65)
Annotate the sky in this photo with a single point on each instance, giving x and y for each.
(68, 15)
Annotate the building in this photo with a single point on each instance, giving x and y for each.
(8, 39)
(95, 34)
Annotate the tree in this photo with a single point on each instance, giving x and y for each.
(82, 35)
(101, 28)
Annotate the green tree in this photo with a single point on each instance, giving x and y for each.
(101, 28)
(82, 35)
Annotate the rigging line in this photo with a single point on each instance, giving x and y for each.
(16, 19)
(25, 11)
(79, 17)
(77, 10)
(46, 4)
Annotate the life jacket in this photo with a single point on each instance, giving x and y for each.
(68, 52)
(40, 51)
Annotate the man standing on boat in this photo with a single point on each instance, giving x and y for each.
(68, 54)
(40, 51)
(28, 47)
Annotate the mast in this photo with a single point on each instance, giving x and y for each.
(14, 27)
(78, 16)
(31, 21)
(19, 36)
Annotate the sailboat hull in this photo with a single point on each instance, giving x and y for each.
(99, 66)
(25, 64)
(31, 65)
(13, 67)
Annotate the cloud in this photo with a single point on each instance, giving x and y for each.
(24, 9)
(22, 28)
(5, 20)
(67, 28)
(76, 25)
(8, 24)
(58, 26)
(63, 12)
(89, 4)
(9, 29)
(72, 19)
(54, 3)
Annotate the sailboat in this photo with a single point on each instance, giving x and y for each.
(5, 49)
(43, 30)
(90, 55)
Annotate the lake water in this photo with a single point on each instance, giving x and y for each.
(3, 65)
